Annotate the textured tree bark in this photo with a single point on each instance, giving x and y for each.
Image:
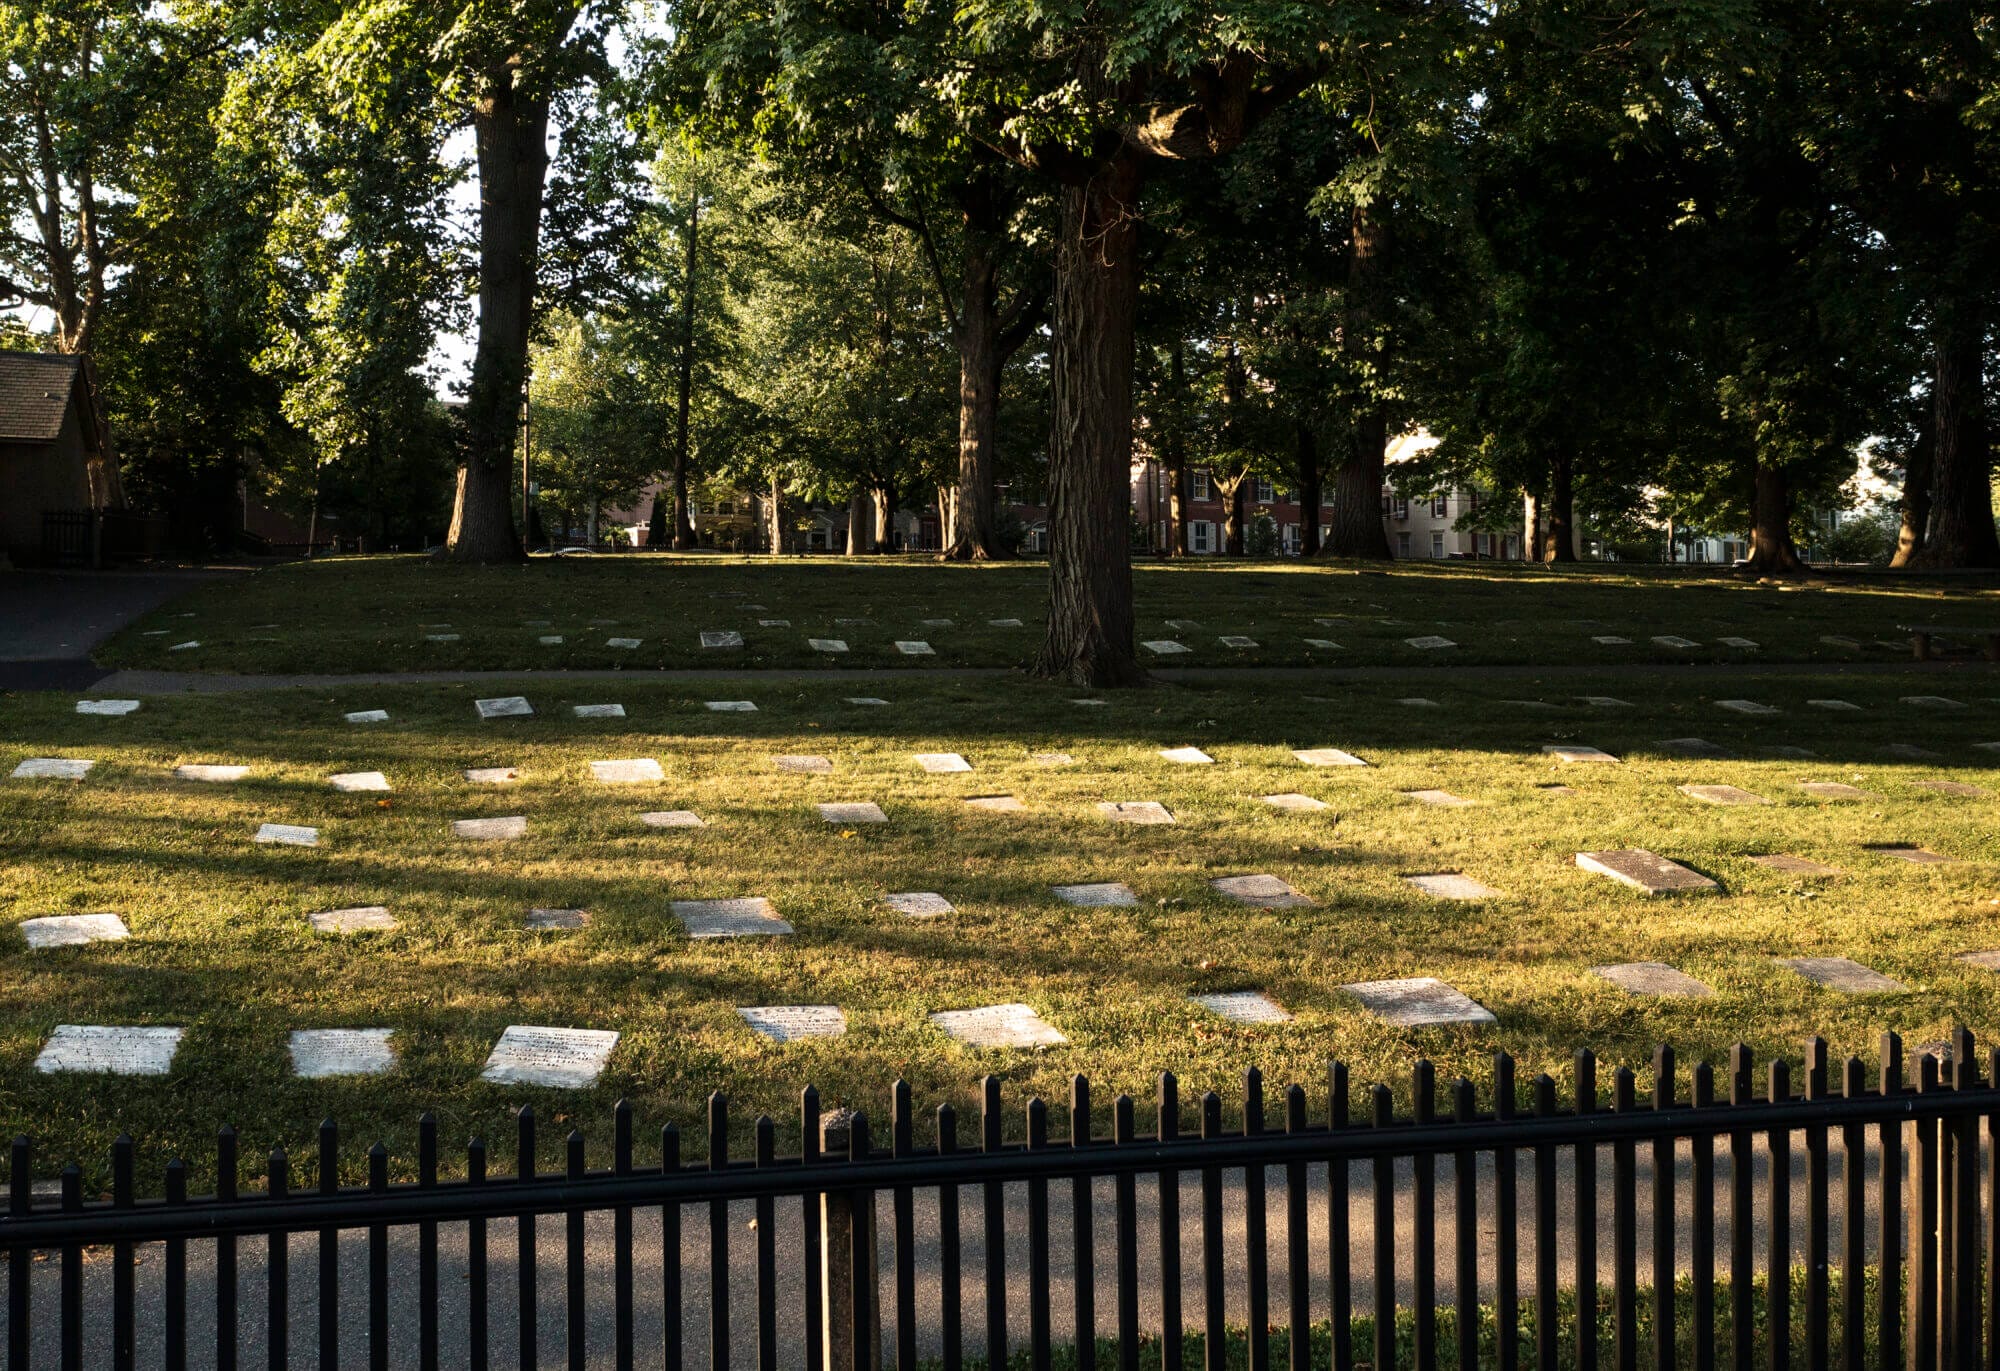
(1357, 487)
(1175, 456)
(684, 537)
(1559, 541)
(510, 134)
(1307, 462)
(1531, 538)
(1915, 506)
(1089, 640)
(1771, 546)
(1235, 502)
(1961, 525)
(860, 523)
(777, 513)
(882, 502)
(972, 536)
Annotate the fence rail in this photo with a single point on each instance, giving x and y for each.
(1914, 1282)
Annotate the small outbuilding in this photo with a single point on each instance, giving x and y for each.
(57, 472)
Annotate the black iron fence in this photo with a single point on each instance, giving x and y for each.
(1757, 1249)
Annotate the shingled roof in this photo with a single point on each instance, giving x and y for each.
(35, 391)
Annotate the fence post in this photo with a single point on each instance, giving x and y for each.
(846, 1229)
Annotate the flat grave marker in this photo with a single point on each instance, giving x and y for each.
(1752, 707)
(721, 638)
(1794, 866)
(1985, 961)
(96, 1049)
(1840, 973)
(624, 644)
(672, 818)
(1909, 852)
(803, 765)
(440, 637)
(214, 773)
(941, 763)
(288, 835)
(1051, 758)
(318, 1053)
(1838, 640)
(1165, 647)
(1721, 795)
(996, 804)
(827, 644)
(373, 918)
(774, 623)
(1326, 644)
(867, 701)
(852, 812)
(1004, 623)
(1451, 885)
(1236, 640)
(1417, 702)
(491, 830)
(1187, 756)
(1956, 789)
(598, 711)
(549, 639)
(1419, 1002)
(1576, 752)
(1444, 799)
(503, 707)
(188, 646)
(1244, 1007)
(627, 771)
(1430, 642)
(367, 716)
(1292, 800)
(1135, 811)
(355, 782)
(1932, 702)
(1611, 640)
(750, 916)
(1328, 756)
(788, 1023)
(999, 1025)
(556, 920)
(1673, 640)
(1836, 706)
(110, 708)
(1645, 871)
(564, 1058)
(913, 648)
(1740, 644)
(1652, 978)
(1260, 892)
(492, 775)
(1833, 790)
(72, 930)
(919, 904)
(1604, 702)
(1183, 625)
(1097, 895)
(732, 706)
(936, 623)
(53, 769)
(854, 623)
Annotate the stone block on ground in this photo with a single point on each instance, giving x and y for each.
(1419, 1002)
(72, 930)
(53, 769)
(1259, 891)
(373, 918)
(1652, 978)
(919, 904)
(672, 818)
(1294, 801)
(1328, 756)
(1244, 1007)
(1451, 885)
(353, 782)
(1097, 895)
(788, 1023)
(219, 774)
(560, 1058)
(745, 917)
(503, 707)
(627, 771)
(1839, 973)
(1721, 795)
(491, 830)
(1646, 871)
(1135, 811)
(852, 812)
(999, 1025)
(107, 1050)
(288, 835)
(318, 1053)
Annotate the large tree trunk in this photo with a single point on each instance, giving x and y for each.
(1961, 531)
(1089, 641)
(510, 133)
(1559, 542)
(1771, 546)
(972, 537)
(777, 525)
(1307, 461)
(1357, 488)
(883, 504)
(1175, 456)
(860, 524)
(684, 537)
(1235, 506)
(1531, 539)
(1915, 506)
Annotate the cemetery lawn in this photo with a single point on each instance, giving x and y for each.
(409, 613)
(221, 944)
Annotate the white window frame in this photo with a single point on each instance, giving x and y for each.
(1201, 490)
(1437, 546)
(1403, 546)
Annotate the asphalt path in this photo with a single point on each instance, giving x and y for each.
(51, 620)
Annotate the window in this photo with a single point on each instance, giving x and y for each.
(1198, 535)
(1402, 508)
(1437, 545)
(1201, 490)
(1290, 535)
(1402, 545)
(1439, 504)
(1482, 545)
(1264, 495)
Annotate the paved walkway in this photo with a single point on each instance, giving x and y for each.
(50, 620)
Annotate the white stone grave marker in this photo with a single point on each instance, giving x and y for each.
(827, 644)
(787, 1023)
(1576, 752)
(628, 644)
(1004, 623)
(1135, 811)
(721, 638)
(1051, 758)
(941, 763)
(1419, 1002)
(598, 711)
(288, 835)
(1674, 640)
(1292, 800)
(1933, 702)
(1099, 895)
(565, 1058)
(732, 706)
(53, 769)
(1839, 706)
(1327, 644)
(1839, 973)
(996, 804)
(852, 812)
(999, 1025)
(187, 646)
(113, 1051)
(1652, 978)
(503, 707)
(1236, 640)
(372, 918)
(106, 707)
(1956, 789)
(1908, 852)
(440, 637)
(1417, 702)
(1721, 795)
(351, 782)
(747, 917)
(1747, 707)
(1187, 756)
(1165, 647)
(912, 648)
(321, 1052)
(1451, 885)
(919, 904)
(1259, 892)
(491, 830)
(73, 930)
(368, 716)
(627, 771)
(219, 774)
(803, 765)
(1244, 1007)
(1442, 798)
(1328, 756)
(870, 701)
(1832, 790)
(1604, 702)
(549, 639)
(556, 920)
(1740, 644)
(1611, 640)
(1643, 870)
(1183, 625)
(1430, 642)
(492, 775)
(672, 818)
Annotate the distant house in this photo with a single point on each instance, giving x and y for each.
(55, 455)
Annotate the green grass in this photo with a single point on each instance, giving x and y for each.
(221, 944)
(373, 614)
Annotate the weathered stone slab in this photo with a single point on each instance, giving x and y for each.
(751, 916)
(1324, 644)
(1988, 747)
(53, 769)
(1795, 866)
(1451, 885)
(1909, 852)
(1910, 752)
(919, 904)
(1838, 640)
(628, 644)
(1740, 644)
(318, 1053)
(732, 706)
(1165, 647)
(1259, 891)
(852, 812)
(1294, 801)
(563, 1058)
(999, 1025)
(788, 1023)
(1643, 870)
(106, 707)
(854, 623)
(503, 707)
(288, 835)
(1135, 811)
(1098, 895)
(774, 623)
(1837, 706)
(1673, 640)
(549, 639)
(492, 775)
(1985, 961)
(867, 701)
(1430, 642)
(721, 638)
(1692, 747)
(1611, 640)
(1832, 790)
(556, 920)
(1747, 707)
(598, 711)
(996, 804)
(1184, 625)
(440, 637)
(1419, 1002)
(941, 763)
(1933, 702)
(491, 830)
(672, 818)
(914, 648)
(372, 918)
(109, 1051)
(73, 930)
(354, 782)
(214, 773)
(188, 646)
(1652, 978)
(627, 771)
(1839, 973)
(827, 644)
(1538, 706)
(1442, 798)
(1004, 623)
(936, 623)
(1721, 795)
(1576, 752)
(1187, 756)
(1244, 1007)
(1604, 702)
(1236, 640)
(1051, 758)
(1556, 789)
(1417, 702)
(803, 765)
(1328, 756)
(368, 716)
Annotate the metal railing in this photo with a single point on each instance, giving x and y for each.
(1913, 1281)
